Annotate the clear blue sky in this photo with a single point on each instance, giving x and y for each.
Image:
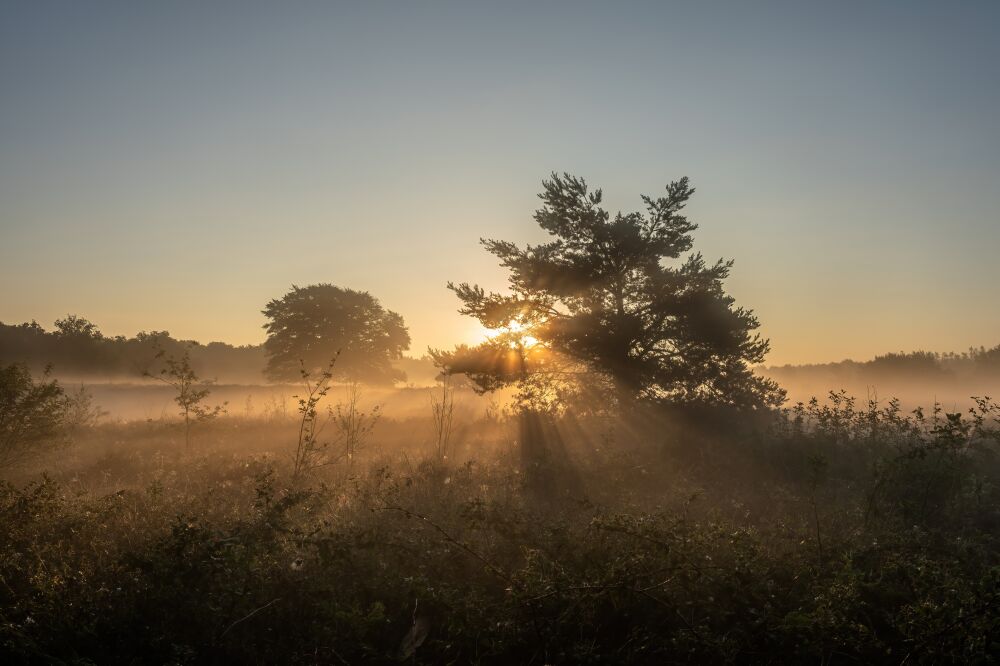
(175, 165)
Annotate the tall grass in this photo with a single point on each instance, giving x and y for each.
(835, 533)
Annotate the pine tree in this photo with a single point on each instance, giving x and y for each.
(615, 296)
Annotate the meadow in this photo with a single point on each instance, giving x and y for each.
(831, 532)
(543, 333)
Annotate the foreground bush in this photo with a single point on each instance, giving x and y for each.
(32, 414)
(841, 535)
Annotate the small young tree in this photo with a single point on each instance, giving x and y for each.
(191, 391)
(310, 451)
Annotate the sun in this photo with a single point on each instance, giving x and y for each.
(513, 327)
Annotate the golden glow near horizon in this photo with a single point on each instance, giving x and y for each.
(356, 149)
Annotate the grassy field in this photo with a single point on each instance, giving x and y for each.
(831, 534)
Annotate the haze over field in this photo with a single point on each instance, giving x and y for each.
(499, 333)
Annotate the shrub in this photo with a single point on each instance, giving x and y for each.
(32, 414)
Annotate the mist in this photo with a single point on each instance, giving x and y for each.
(499, 333)
(609, 448)
(916, 379)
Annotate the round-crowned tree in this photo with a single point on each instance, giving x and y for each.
(310, 325)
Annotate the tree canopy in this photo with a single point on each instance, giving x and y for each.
(310, 325)
(73, 326)
(605, 294)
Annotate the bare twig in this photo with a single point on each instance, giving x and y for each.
(249, 615)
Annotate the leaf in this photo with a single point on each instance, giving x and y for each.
(414, 638)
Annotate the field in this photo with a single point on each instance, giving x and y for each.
(834, 533)
(497, 333)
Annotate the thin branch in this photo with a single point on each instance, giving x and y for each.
(249, 615)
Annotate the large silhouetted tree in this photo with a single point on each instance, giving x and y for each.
(605, 293)
(309, 325)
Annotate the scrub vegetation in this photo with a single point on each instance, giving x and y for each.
(830, 532)
(606, 478)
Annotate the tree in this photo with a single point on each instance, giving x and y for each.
(191, 391)
(79, 345)
(73, 326)
(603, 295)
(312, 324)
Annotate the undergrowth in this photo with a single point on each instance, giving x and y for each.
(837, 534)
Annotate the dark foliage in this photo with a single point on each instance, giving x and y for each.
(601, 293)
(313, 324)
(32, 414)
(77, 348)
(838, 534)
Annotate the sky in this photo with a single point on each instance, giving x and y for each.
(174, 166)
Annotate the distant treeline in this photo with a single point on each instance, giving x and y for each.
(981, 362)
(76, 348)
(916, 378)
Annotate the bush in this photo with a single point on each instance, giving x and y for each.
(843, 534)
(31, 414)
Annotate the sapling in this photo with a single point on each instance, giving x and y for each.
(191, 391)
(310, 451)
